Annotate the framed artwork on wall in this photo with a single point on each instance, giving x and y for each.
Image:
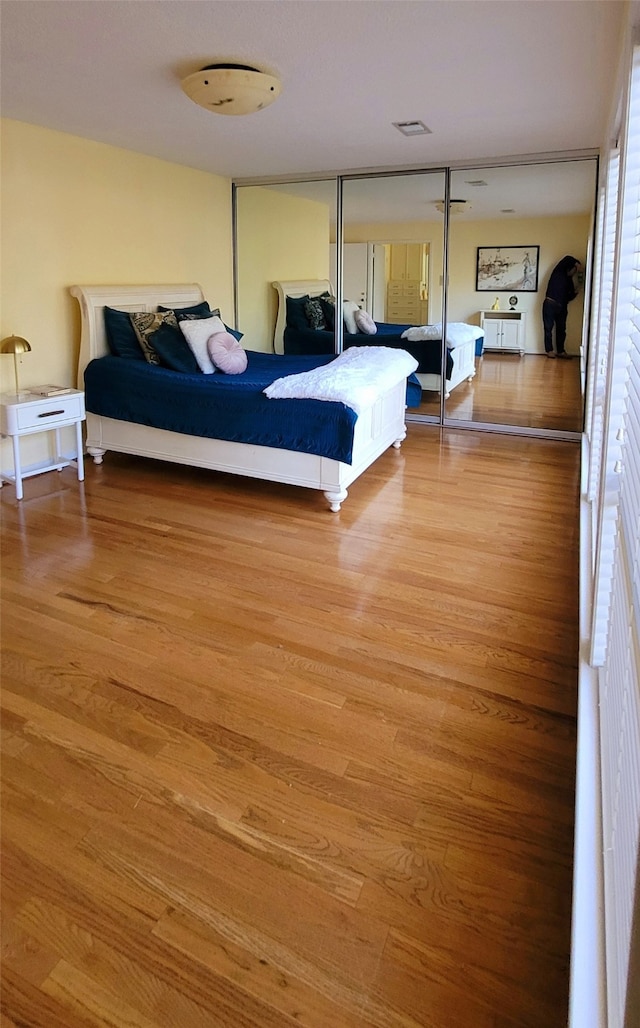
(507, 269)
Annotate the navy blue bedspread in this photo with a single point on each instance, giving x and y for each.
(427, 352)
(230, 407)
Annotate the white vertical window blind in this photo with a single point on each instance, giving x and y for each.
(596, 306)
(603, 302)
(609, 402)
(617, 616)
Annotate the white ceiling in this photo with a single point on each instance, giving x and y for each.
(489, 77)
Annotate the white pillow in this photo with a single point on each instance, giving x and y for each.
(197, 333)
(349, 309)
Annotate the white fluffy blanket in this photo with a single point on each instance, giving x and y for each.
(356, 377)
(458, 332)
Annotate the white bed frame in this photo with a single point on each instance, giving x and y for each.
(311, 287)
(464, 369)
(464, 364)
(378, 427)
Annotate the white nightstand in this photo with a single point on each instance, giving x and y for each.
(27, 414)
(504, 330)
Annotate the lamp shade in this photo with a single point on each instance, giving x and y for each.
(15, 345)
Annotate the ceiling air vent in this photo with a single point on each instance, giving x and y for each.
(412, 128)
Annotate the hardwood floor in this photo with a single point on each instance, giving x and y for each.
(529, 391)
(268, 766)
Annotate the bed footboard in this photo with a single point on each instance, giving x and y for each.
(464, 370)
(378, 428)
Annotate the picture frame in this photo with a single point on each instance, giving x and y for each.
(507, 269)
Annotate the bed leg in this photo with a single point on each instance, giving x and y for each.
(336, 499)
(397, 443)
(97, 453)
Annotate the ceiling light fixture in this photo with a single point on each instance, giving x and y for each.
(455, 206)
(412, 128)
(231, 88)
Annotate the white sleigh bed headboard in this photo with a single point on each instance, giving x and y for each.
(93, 300)
(306, 287)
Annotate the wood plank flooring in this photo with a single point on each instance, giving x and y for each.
(529, 392)
(267, 766)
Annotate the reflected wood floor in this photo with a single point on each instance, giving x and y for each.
(529, 391)
(267, 766)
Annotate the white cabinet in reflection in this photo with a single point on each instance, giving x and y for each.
(504, 330)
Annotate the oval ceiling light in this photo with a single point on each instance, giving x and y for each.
(231, 88)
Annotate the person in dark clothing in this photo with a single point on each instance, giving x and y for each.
(562, 288)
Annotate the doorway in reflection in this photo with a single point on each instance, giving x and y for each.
(390, 280)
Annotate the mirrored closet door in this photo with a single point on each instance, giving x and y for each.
(389, 245)
(283, 233)
(508, 228)
(393, 231)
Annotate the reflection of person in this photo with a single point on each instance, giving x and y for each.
(562, 288)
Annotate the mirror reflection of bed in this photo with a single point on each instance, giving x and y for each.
(305, 324)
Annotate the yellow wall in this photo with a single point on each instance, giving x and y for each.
(78, 212)
(280, 237)
(556, 238)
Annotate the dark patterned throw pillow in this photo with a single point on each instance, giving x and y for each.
(328, 305)
(145, 323)
(315, 314)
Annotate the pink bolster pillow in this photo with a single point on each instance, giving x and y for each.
(226, 353)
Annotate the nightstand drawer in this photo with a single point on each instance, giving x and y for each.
(50, 411)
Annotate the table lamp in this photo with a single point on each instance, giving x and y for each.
(15, 345)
